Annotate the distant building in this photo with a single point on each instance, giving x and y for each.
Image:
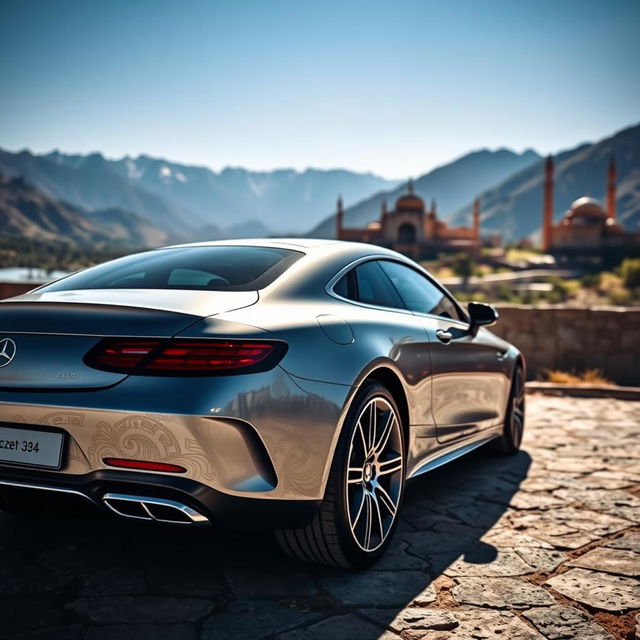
(586, 233)
(412, 230)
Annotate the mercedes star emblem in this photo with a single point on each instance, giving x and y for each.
(7, 351)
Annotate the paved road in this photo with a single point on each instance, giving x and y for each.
(543, 545)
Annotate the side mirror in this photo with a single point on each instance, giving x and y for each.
(482, 315)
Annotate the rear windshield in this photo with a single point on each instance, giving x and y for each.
(220, 268)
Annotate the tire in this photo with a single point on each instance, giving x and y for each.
(508, 444)
(358, 515)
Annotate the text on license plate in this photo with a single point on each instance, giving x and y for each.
(32, 447)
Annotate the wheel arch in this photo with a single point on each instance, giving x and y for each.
(390, 379)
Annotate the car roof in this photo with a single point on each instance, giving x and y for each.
(307, 244)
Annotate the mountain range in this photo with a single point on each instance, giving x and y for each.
(181, 199)
(513, 207)
(89, 200)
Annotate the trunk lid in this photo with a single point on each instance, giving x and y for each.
(45, 336)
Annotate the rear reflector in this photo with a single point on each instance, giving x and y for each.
(161, 357)
(144, 465)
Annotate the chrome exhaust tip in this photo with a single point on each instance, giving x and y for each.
(155, 509)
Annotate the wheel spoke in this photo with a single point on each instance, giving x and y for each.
(369, 521)
(354, 475)
(386, 432)
(378, 516)
(386, 467)
(386, 500)
(360, 430)
(372, 428)
(354, 521)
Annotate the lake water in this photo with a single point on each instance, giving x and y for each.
(27, 274)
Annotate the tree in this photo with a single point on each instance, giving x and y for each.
(464, 266)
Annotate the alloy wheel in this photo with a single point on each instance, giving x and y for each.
(374, 474)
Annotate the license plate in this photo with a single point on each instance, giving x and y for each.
(27, 446)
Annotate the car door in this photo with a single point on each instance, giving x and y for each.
(468, 379)
(382, 324)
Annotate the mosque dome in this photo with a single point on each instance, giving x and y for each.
(410, 201)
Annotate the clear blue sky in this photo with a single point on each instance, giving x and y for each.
(392, 87)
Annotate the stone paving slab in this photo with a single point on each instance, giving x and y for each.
(598, 590)
(564, 623)
(501, 593)
(540, 546)
(617, 561)
(458, 624)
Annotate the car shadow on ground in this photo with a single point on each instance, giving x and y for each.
(86, 575)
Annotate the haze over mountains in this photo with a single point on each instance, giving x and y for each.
(513, 207)
(29, 214)
(180, 199)
(90, 200)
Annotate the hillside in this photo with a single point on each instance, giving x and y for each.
(452, 185)
(92, 186)
(26, 213)
(513, 207)
(181, 199)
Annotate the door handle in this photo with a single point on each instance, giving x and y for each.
(444, 336)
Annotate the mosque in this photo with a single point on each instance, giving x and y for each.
(412, 230)
(586, 232)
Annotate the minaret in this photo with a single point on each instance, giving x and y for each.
(611, 189)
(384, 215)
(547, 215)
(339, 218)
(433, 207)
(410, 186)
(476, 219)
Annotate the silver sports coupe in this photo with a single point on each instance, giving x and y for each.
(292, 385)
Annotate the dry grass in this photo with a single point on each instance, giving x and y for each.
(590, 376)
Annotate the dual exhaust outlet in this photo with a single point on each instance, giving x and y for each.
(153, 509)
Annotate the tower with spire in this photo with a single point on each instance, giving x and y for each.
(476, 219)
(547, 214)
(611, 189)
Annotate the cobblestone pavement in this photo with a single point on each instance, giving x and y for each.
(542, 545)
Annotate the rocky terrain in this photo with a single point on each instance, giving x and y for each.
(541, 546)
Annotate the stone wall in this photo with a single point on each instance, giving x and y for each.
(556, 337)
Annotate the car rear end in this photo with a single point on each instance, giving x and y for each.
(119, 396)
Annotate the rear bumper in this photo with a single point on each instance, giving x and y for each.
(218, 508)
(265, 436)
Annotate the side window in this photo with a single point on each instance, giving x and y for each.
(367, 283)
(418, 293)
(373, 286)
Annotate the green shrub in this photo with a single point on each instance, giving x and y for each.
(630, 272)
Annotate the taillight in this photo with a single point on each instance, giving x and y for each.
(161, 357)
